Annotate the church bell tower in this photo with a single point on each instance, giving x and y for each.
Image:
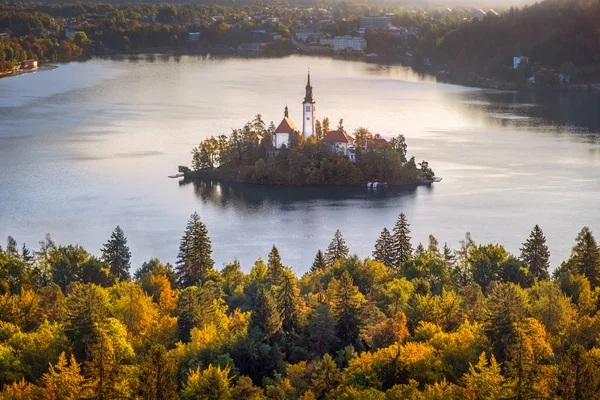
(308, 111)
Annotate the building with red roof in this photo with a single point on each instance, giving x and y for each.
(283, 132)
(340, 141)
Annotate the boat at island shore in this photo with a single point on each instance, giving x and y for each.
(432, 180)
(176, 176)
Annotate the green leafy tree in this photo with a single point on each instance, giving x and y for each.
(213, 383)
(402, 249)
(535, 253)
(326, 126)
(194, 262)
(384, 249)
(117, 255)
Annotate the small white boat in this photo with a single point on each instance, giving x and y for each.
(176, 176)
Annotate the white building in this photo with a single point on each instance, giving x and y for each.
(348, 42)
(308, 110)
(281, 136)
(341, 142)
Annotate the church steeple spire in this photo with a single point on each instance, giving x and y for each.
(308, 98)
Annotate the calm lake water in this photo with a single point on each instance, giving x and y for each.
(89, 145)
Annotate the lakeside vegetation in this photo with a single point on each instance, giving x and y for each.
(461, 45)
(420, 323)
(247, 155)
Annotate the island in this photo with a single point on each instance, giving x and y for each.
(312, 155)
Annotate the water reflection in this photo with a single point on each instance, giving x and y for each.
(256, 198)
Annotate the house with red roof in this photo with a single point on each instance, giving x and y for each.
(340, 141)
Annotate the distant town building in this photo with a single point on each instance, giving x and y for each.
(518, 60)
(4, 35)
(69, 32)
(194, 36)
(348, 42)
(375, 22)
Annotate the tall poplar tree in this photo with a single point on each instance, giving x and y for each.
(535, 253)
(401, 241)
(319, 263)
(384, 250)
(117, 255)
(585, 257)
(337, 249)
(194, 262)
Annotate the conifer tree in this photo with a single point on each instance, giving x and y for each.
(64, 380)
(337, 249)
(274, 266)
(585, 257)
(213, 383)
(448, 255)
(194, 262)
(265, 315)
(117, 255)
(535, 253)
(157, 371)
(319, 263)
(384, 250)
(401, 241)
(434, 246)
(346, 296)
(326, 126)
(287, 296)
(318, 130)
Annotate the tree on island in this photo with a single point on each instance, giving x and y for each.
(402, 249)
(337, 249)
(340, 126)
(117, 255)
(326, 126)
(318, 130)
(384, 248)
(194, 262)
(535, 253)
(319, 263)
(398, 143)
(362, 136)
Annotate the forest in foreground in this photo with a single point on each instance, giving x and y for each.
(410, 322)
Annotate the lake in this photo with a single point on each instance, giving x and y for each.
(88, 146)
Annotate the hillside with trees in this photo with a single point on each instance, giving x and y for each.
(410, 322)
(557, 35)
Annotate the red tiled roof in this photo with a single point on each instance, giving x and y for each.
(337, 137)
(286, 126)
(379, 141)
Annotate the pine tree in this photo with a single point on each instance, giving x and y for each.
(401, 241)
(536, 254)
(318, 130)
(434, 246)
(158, 370)
(585, 257)
(213, 383)
(266, 315)
(346, 297)
(274, 266)
(384, 252)
(64, 380)
(326, 126)
(448, 255)
(287, 301)
(194, 262)
(319, 263)
(117, 255)
(337, 249)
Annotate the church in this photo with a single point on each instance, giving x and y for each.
(281, 136)
(338, 140)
